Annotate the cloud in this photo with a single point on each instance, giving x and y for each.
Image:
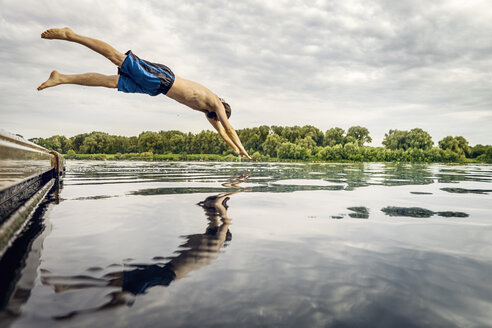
(328, 63)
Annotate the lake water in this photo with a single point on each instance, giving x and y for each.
(142, 244)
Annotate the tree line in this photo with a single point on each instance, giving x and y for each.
(279, 142)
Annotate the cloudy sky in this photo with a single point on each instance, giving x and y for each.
(379, 64)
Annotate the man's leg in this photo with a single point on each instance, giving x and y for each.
(98, 46)
(88, 79)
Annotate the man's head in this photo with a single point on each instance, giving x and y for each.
(227, 108)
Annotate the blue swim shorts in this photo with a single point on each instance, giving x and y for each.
(141, 76)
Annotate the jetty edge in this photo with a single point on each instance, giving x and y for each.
(28, 172)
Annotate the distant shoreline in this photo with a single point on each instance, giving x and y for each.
(272, 144)
(231, 158)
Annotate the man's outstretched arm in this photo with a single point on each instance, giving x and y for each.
(220, 129)
(229, 130)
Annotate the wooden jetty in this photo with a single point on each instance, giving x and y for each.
(27, 173)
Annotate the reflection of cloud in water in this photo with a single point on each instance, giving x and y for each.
(335, 285)
(197, 250)
(382, 289)
(282, 270)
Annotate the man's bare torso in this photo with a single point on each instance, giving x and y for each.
(200, 98)
(193, 95)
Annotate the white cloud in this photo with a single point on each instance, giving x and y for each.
(379, 64)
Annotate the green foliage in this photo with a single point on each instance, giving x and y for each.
(70, 154)
(413, 139)
(359, 134)
(289, 150)
(419, 139)
(306, 142)
(256, 156)
(458, 145)
(487, 156)
(352, 152)
(478, 150)
(149, 142)
(271, 144)
(334, 136)
(265, 143)
(254, 137)
(395, 139)
(315, 134)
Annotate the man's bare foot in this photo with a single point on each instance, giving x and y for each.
(55, 79)
(57, 33)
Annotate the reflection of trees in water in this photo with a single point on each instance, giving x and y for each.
(352, 176)
(407, 174)
(467, 191)
(418, 212)
(197, 251)
(359, 212)
(346, 176)
(450, 174)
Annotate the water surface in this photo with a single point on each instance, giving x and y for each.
(206, 244)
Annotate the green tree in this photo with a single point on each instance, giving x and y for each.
(57, 143)
(119, 144)
(172, 141)
(207, 142)
(70, 154)
(334, 136)
(286, 150)
(291, 133)
(458, 145)
(77, 141)
(271, 144)
(487, 156)
(89, 146)
(278, 130)
(419, 139)
(396, 139)
(252, 138)
(306, 142)
(478, 150)
(149, 141)
(177, 143)
(351, 151)
(314, 133)
(360, 134)
(40, 141)
(133, 144)
(415, 138)
(96, 143)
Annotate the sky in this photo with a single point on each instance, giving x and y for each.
(378, 64)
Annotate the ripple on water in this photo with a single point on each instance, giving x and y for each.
(262, 244)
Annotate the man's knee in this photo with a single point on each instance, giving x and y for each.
(117, 58)
(114, 81)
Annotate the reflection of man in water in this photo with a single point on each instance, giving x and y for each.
(197, 251)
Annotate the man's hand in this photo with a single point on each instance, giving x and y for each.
(245, 154)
